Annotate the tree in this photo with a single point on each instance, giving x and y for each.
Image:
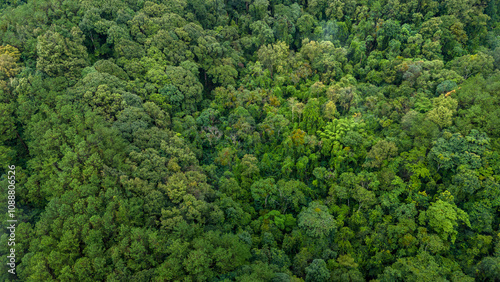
(224, 74)
(339, 135)
(108, 66)
(61, 56)
(264, 192)
(305, 25)
(470, 65)
(423, 267)
(316, 221)
(274, 57)
(9, 56)
(259, 9)
(488, 268)
(7, 131)
(346, 269)
(317, 271)
(249, 170)
(443, 218)
(330, 110)
(262, 33)
(186, 84)
(381, 153)
(273, 125)
(313, 121)
(458, 150)
(443, 110)
(104, 102)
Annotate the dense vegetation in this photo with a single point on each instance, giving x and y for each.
(256, 140)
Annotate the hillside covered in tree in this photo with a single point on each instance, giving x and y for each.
(251, 140)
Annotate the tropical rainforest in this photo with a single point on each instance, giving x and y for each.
(251, 140)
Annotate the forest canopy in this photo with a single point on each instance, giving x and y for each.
(255, 140)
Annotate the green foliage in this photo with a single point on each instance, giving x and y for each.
(317, 271)
(458, 150)
(61, 56)
(443, 218)
(266, 140)
(443, 110)
(381, 153)
(316, 221)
